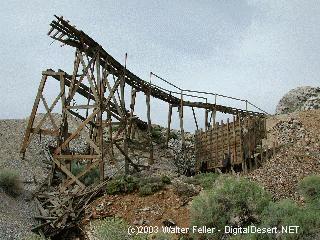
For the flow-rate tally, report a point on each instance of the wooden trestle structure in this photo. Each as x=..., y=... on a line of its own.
x=100, y=81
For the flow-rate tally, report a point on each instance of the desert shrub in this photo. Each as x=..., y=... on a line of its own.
x=145, y=186
x=173, y=135
x=10, y=182
x=150, y=185
x=165, y=179
x=287, y=213
x=90, y=177
x=206, y=180
x=122, y=184
x=232, y=201
x=309, y=187
x=114, y=229
x=33, y=236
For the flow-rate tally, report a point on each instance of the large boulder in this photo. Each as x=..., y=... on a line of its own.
x=300, y=98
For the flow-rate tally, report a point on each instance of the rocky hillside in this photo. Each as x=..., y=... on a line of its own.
x=299, y=99
x=298, y=155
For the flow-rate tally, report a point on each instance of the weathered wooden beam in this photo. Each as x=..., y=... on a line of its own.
x=181, y=122
x=27, y=134
x=195, y=118
x=151, y=160
x=169, y=124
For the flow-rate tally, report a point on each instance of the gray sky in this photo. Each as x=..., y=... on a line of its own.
x=251, y=49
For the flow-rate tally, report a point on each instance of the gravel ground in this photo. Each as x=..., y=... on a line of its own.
x=16, y=214
x=298, y=156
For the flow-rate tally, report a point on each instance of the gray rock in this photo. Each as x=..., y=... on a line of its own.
x=300, y=98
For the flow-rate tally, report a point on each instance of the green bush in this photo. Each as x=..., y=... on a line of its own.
x=150, y=185
x=165, y=179
x=309, y=187
x=33, y=236
x=232, y=201
x=10, y=182
x=145, y=186
x=287, y=213
x=114, y=229
x=123, y=184
x=90, y=177
x=206, y=180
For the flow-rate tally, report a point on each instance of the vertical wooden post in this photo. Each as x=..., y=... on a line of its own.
x=243, y=162
x=210, y=159
x=235, y=155
x=151, y=160
x=169, y=124
x=217, y=143
x=181, y=121
x=110, y=136
x=100, y=139
x=206, y=124
x=261, y=154
x=132, y=105
x=64, y=122
x=222, y=140
x=250, y=146
x=213, y=117
x=228, y=136
x=196, y=150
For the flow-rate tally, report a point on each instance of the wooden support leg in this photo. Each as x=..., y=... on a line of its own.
x=195, y=119
x=151, y=160
x=32, y=116
x=132, y=105
x=169, y=124
x=181, y=122
x=100, y=137
x=206, y=124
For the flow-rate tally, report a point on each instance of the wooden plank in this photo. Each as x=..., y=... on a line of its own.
x=76, y=156
x=54, y=133
x=81, y=106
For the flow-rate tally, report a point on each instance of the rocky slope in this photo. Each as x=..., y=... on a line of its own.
x=16, y=214
x=299, y=99
x=298, y=155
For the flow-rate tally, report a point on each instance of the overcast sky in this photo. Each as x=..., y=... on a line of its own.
x=251, y=49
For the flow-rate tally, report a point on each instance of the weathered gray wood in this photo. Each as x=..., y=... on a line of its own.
x=151, y=160
x=32, y=115
x=195, y=118
x=181, y=122
x=169, y=124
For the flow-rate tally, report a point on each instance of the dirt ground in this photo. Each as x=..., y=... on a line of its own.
x=150, y=210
